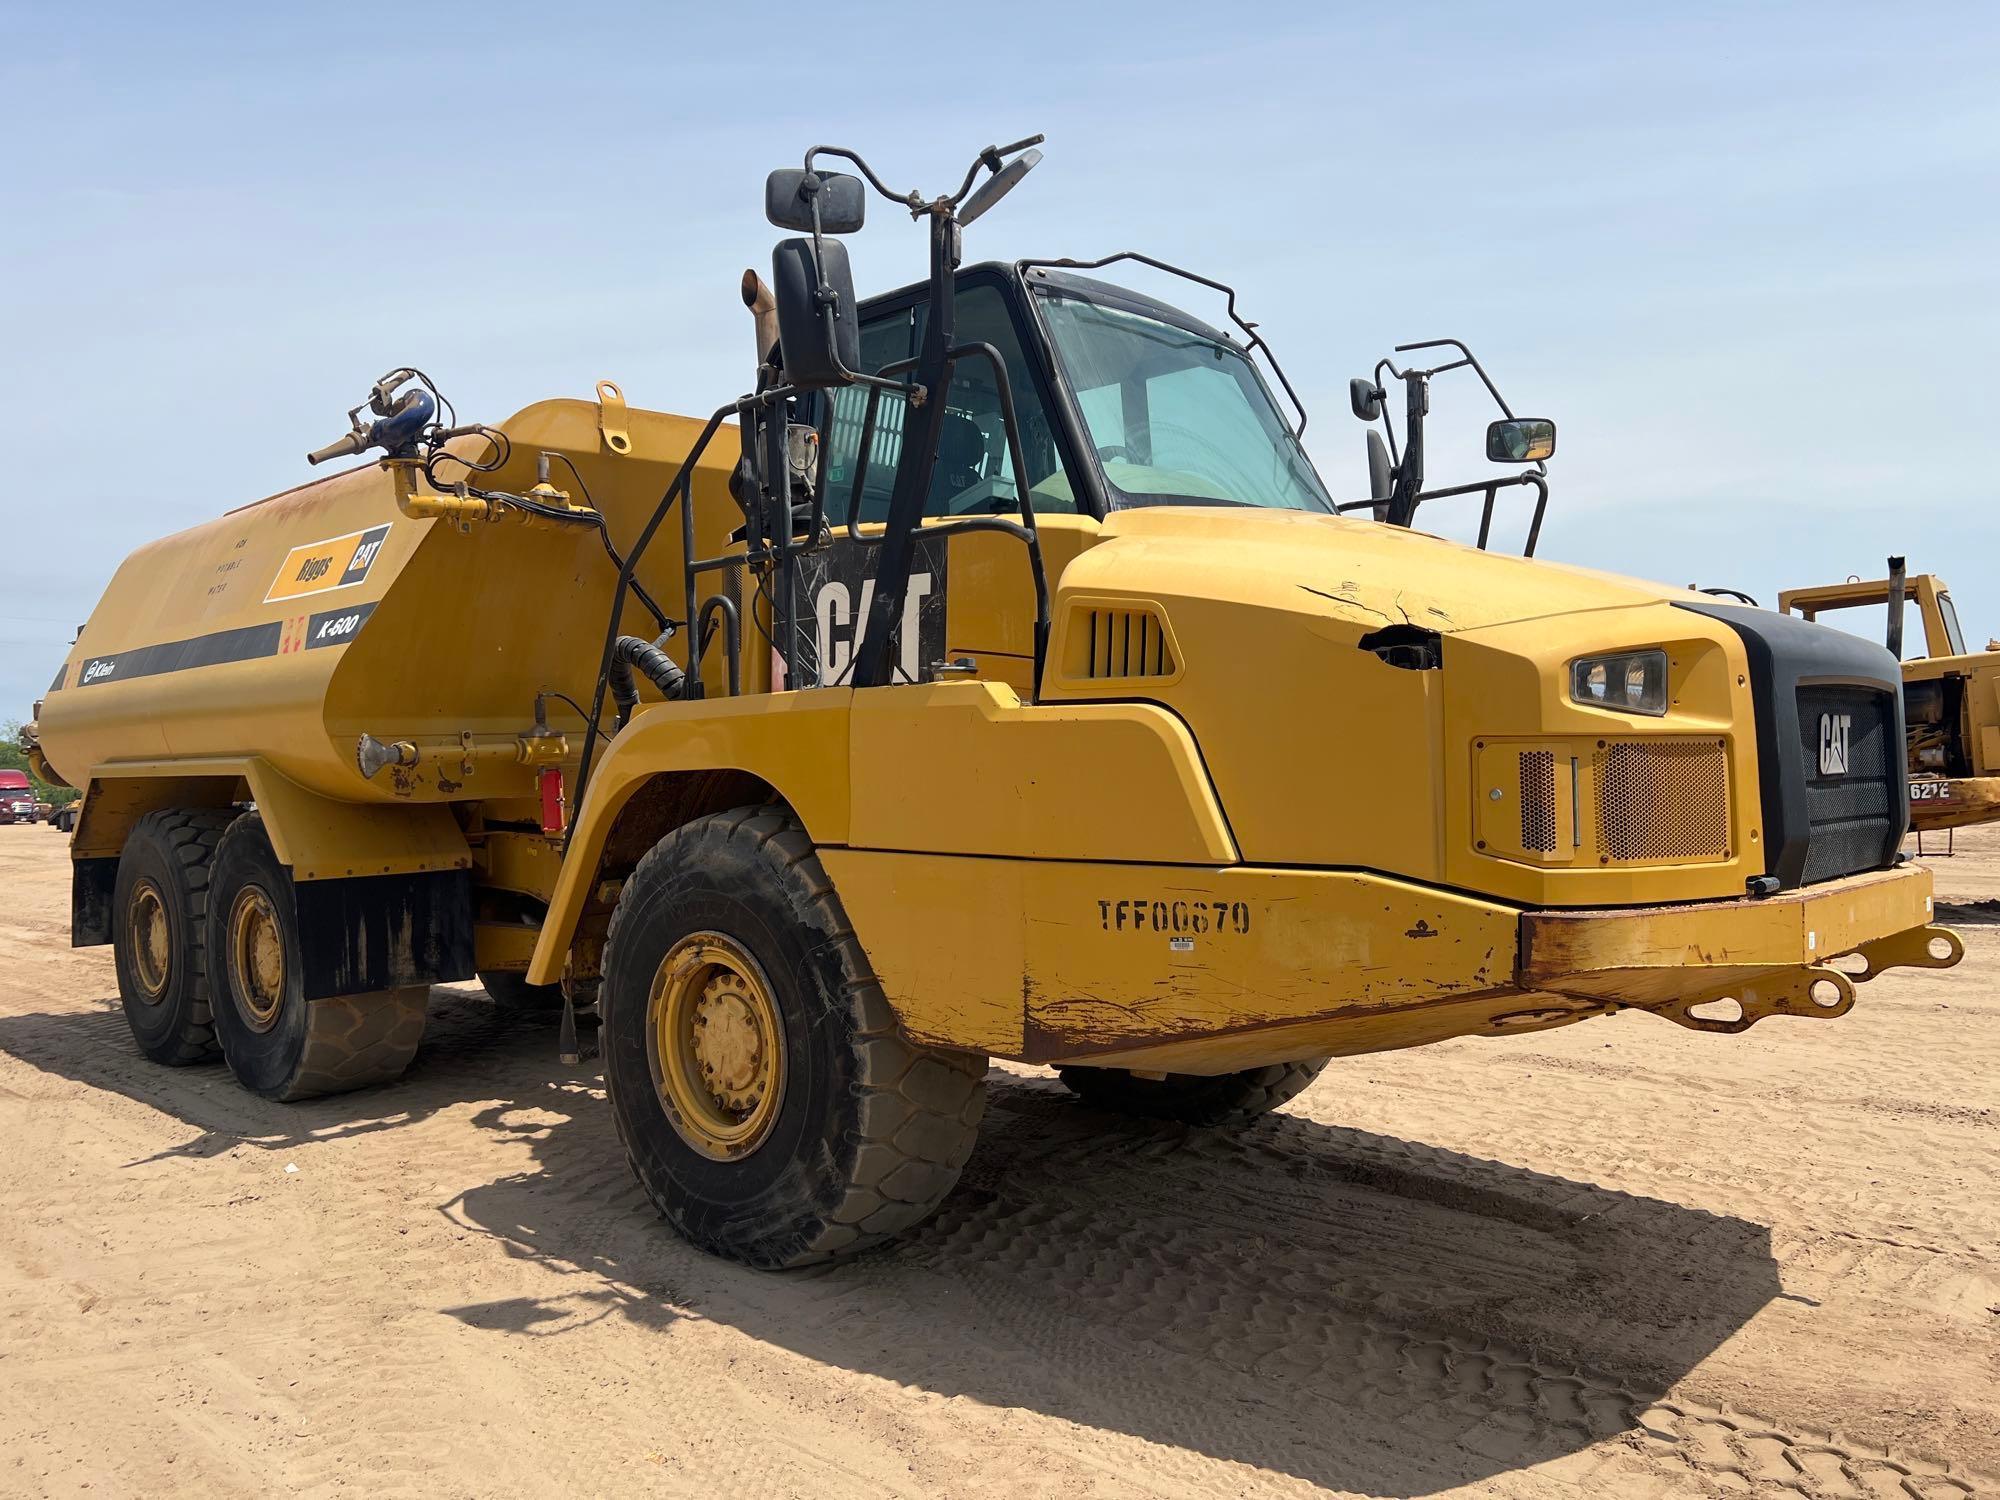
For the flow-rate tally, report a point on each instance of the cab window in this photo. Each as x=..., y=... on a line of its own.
x=1954, y=635
x=975, y=472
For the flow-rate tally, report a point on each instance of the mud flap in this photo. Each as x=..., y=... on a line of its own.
x=384, y=932
x=91, y=881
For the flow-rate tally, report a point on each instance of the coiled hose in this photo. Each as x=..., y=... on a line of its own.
x=660, y=670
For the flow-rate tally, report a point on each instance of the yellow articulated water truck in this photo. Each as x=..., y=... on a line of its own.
x=1951, y=695
x=996, y=679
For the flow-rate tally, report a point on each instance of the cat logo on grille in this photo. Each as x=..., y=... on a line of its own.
x=1833, y=729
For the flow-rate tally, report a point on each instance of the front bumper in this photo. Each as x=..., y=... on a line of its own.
x=1186, y=969
x=1771, y=956
x=1953, y=802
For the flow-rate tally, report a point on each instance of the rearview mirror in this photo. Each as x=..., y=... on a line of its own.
x=1365, y=396
x=1520, y=440
x=816, y=355
x=998, y=186
x=788, y=200
x=1381, y=476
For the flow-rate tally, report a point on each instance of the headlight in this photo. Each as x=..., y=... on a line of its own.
x=1632, y=682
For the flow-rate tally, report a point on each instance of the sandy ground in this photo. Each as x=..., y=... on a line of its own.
x=1619, y=1259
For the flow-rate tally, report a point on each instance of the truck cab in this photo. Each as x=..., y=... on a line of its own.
x=17, y=798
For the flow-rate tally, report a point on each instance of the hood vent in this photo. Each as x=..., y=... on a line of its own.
x=1106, y=642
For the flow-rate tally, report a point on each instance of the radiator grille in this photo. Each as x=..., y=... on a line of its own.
x=1538, y=801
x=1126, y=643
x=1663, y=800
x=1850, y=812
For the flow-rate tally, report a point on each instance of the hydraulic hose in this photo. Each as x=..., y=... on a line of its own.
x=660, y=669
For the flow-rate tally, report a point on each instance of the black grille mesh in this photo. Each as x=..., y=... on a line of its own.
x=1538, y=801
x=1849, y=813
x=1661, y=800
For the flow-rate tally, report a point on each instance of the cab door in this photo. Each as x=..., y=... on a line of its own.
x=970, y=596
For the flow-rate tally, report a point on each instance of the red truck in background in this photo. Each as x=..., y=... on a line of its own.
x=17, y=797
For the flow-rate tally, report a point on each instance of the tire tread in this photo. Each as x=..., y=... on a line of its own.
x=189, y=835
x=919, y=1107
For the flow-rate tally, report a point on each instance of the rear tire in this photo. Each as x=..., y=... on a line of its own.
x=763, y=1093
x=1225, y=1099
x=159, y=932
x=511, y=991
x=278, y=1043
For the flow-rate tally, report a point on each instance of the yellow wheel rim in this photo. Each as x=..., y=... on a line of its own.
x=152, y=940
x=256, y=958
x=718, y=1053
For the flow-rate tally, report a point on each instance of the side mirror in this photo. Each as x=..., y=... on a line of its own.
x=998, y=186
x=1365, y=396
x=818, y=352
x=789, y=194
x=1520, y=440
x=1381, y=478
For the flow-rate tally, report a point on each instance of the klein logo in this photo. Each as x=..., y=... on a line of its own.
x=1833, y=732
x=99, y=669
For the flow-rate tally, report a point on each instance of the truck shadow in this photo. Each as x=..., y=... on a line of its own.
x=1368, y=1314
x=471, y=1049
x=1360, y=1312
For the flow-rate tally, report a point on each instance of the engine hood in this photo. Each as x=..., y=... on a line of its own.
x=1359, y=570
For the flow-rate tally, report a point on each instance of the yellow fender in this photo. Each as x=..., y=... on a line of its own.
x=794, y=742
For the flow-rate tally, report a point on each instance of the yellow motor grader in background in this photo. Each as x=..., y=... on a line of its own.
x=997, y=678
x=1951, y=695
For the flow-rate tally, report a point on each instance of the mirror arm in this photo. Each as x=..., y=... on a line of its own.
x=1466, y=358
x=1541, y=467
x=912, y=200
x=830, y=315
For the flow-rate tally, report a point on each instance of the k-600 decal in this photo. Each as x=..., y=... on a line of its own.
x=331, y=627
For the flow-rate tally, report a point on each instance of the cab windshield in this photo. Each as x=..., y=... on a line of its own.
x=1175, y=416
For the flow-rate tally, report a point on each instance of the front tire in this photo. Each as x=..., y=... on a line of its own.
x=160, y=929
x=1225, y=1099
x=764, y=1095
x=278, y=1043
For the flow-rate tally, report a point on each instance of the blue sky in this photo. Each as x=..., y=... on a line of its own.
x=1748, y=257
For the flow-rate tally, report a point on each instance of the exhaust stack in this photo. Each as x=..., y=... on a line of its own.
x=1898, y=575
x=764, y=310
